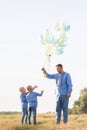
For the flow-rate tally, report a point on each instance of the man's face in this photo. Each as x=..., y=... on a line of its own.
x=59, y=69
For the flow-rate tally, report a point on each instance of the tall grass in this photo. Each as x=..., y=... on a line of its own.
x=44, y=122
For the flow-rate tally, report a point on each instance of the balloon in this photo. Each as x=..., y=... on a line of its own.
x=59, y=26
x=60, y=52
x=67, y=27
x=55, y=41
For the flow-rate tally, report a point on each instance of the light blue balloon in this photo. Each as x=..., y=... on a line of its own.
x=67, y=27
x=42, y=38
x=63, y=45
x=60, y=50
x=54, y=41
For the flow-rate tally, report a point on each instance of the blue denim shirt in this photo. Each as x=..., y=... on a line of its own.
x=32, y=98
x=23, y=99
x=63, y=82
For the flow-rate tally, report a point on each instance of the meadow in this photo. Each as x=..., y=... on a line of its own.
x=44, y=122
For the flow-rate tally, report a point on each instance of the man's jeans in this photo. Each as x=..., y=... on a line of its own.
x=24, y=115
x=62, y=104
x=32, y=110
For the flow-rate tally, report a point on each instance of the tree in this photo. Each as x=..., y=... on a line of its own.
x=76, y=107
x=80, y=106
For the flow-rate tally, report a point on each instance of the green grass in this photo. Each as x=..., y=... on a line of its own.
x=44, y=122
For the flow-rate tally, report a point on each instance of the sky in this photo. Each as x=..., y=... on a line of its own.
x=22, y=22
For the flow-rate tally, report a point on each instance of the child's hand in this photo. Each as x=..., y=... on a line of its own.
x=35, y=86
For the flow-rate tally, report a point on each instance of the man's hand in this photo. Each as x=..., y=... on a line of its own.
x=43, y=69
x=69, y=95
x=42, y=91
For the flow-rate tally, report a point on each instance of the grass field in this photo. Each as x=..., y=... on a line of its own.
x=44, y=122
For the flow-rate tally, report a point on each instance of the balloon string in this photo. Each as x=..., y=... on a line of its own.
x=47, y=64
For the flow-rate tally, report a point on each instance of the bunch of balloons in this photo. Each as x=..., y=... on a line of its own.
x=56, y=40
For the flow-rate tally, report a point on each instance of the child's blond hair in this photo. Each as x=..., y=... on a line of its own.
x=22, y=89
x=29, y=88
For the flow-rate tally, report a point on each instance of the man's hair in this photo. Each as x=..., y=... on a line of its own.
x=59, y=65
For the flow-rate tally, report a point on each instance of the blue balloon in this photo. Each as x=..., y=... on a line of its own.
x=54, y=41
x=42, y=38
x=63, y=45
x=67, y=27
x=60, y=50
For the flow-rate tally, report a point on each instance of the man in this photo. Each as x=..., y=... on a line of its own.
x=63, y=91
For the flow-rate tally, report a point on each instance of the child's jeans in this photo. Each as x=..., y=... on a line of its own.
x=30, y=111
x=24, y=115
x=62, y=104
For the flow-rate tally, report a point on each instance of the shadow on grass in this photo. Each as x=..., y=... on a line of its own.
x=26, y=127
x=29, y=127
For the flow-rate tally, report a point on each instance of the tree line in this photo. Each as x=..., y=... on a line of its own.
x=80, y=105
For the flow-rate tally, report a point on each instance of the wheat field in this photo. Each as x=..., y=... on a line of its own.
x=44, y=122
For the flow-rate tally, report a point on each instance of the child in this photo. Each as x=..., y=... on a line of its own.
x=24, y=103
x=32, y=101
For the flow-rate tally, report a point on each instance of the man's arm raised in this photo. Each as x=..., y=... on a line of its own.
x=50, y=76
